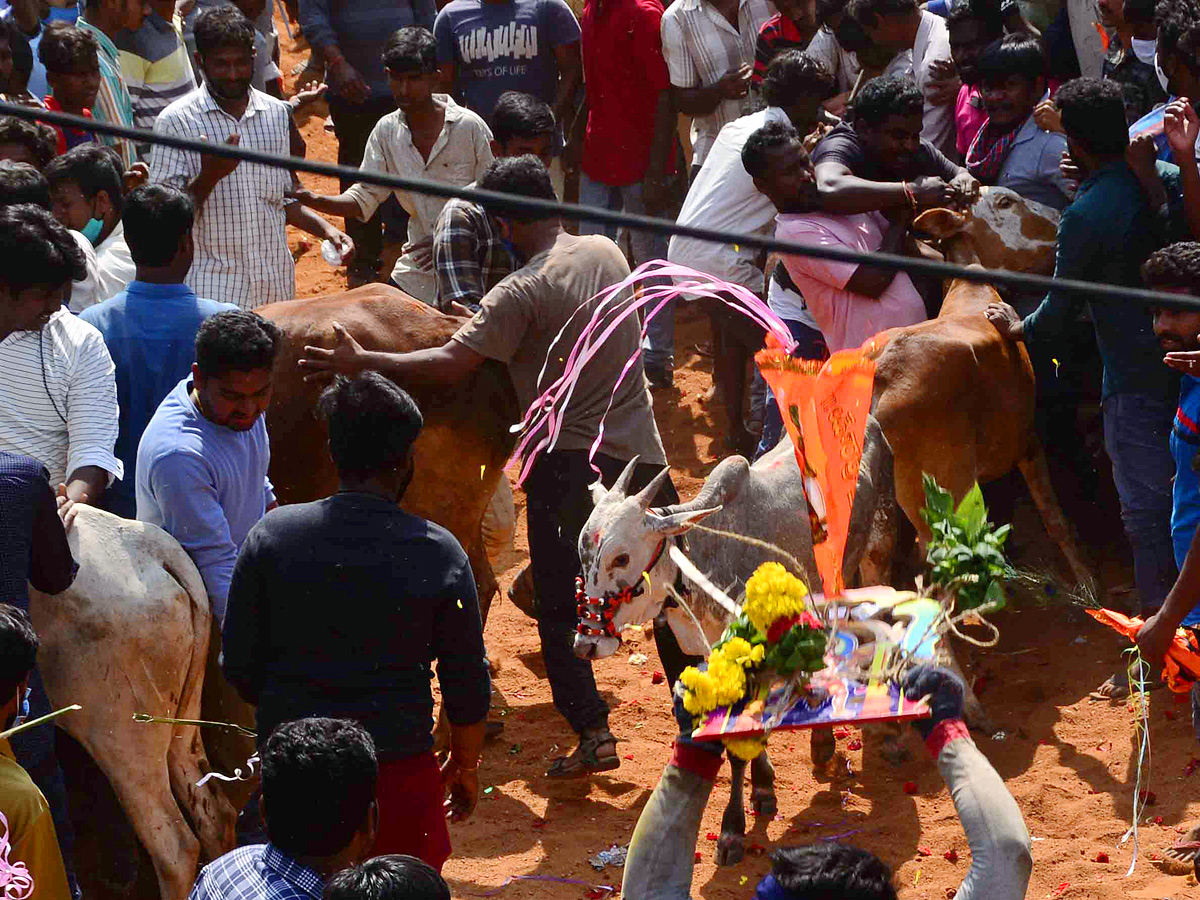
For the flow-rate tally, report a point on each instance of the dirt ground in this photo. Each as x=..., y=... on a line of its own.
x=1067, y=759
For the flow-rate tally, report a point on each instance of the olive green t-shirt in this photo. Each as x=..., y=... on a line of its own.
x=532, y=320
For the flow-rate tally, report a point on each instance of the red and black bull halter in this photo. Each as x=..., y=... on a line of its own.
x=601, y=610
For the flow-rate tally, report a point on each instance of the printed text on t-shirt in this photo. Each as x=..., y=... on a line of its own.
x=511, y=40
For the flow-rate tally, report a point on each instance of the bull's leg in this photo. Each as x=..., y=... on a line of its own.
x=731, y=846
x=821, y=745
x=891, y=742
x=1041, y=489
x=973, y=712
x=762, y=786
x=212, y=816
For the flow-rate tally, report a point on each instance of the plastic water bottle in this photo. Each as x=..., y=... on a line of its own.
x=330, y=253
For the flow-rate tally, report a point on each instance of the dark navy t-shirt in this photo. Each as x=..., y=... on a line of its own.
x=498, y=47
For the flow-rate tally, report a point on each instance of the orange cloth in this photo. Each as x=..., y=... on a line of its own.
x=1182, y=665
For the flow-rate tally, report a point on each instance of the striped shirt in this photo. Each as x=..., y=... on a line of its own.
x=257, y=872
x=700, y=46
x=242, y=254
x=112, y=100
x=58, y=397
x=156, y=69
x=779, y=33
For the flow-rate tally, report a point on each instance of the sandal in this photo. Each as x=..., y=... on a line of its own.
x=586, y=759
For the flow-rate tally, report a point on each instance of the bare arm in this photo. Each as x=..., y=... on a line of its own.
x=448, y=363
x=342, y=204
x=570, y=73
x=700, y=101
x=1156, y=635
x=308, y=221
x=872, y=281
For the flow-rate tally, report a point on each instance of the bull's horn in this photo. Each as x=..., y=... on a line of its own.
x=712, y=494
x=679, y=522
x=647, y=494
x=620, y=488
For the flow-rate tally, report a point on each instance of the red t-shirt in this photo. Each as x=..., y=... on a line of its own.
x=624, y=70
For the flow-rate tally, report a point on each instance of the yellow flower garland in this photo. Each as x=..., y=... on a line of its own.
x=772, y=593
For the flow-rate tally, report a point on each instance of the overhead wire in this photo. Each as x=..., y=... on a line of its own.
x=1022, y=282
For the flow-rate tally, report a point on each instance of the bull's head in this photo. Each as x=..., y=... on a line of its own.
x=626, y=567
x=1005, y=231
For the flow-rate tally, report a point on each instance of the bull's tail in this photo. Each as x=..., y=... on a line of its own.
x=1041, y=489
x=180, y=567
x=875, y=495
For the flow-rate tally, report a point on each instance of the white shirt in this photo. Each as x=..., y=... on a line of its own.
x=937, y=121
x=700, y=46
x=83, y=292
x=115, y=267
x=723, y=196
x=843, y=64
x=242, y=254
x=58, y=397
x=459, y=157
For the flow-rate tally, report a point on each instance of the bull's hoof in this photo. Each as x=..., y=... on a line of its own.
x=523, y=595
x=764, y=802
x=823, y=745
x=731, y=849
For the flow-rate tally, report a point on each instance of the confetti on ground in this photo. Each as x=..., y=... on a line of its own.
x=855, y=744
x=613, y=856
x=924, y=851
x=910, y=787
x=951, y=855
x=657, y=678
x=637, y=659
x=1101, y=857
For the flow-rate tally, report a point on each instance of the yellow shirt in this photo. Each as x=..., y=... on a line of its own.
x=30, y=829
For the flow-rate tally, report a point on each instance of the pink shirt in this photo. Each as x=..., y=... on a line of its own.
x=969, y=116
x=846, y=320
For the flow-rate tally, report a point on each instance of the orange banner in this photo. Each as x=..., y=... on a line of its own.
x=824, y=408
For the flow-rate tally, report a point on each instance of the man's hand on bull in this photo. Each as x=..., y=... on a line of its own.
x=1006, y=320
x=68, y=508
x=964, y=189
x=930, y=191
x=346, y=358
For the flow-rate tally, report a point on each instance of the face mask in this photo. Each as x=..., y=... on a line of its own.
x=92, y=230
x=1145, y=50
x=24, y=710
x=1162, y=78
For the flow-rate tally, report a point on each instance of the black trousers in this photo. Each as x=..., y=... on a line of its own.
x=353, y=123
x=558, y=505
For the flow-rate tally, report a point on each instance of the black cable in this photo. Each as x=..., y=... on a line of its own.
x=45, y=381
x=1020, y=281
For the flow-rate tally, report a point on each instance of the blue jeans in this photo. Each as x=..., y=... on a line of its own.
x=811, y=346
x=659, y=346
x=1137, y=429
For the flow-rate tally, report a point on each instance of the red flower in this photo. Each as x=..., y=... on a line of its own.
x=1101, y=857
x=951, y=855
x=1149, y=797
x=924, y=851
x=910, y=787
x=855, y=744
x=780, y=627
x=697, y=856
x=657, y=678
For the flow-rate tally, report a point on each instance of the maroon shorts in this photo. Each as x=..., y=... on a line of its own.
x=411, y=818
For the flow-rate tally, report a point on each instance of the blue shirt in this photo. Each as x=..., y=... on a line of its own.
x=150, y=332
x=203, y=484
x=1185, y=500
x=257, y=872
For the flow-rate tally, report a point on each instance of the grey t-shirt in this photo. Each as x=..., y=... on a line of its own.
x=519, y=324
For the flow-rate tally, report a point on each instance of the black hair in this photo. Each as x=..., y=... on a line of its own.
x=985, y=12
x=1178, y=25
x=518, y=115
x=522, y=175
x=22, y=183
x=1093, y=115
x=394, y=877
x=895, y=95
x=18, y=649
x=35, y=250
x=37, y=138
x=156, y=218
x=65, y=49
x=411, y=50
x=1174, y=266
x=94, y=168
x=318, y=784
x=794, y=74
x=372, y=424
x=236, y=341
x=759, y=145
x=1138, y=12
x=1013, y=54
x=830, y=869
x=22, y=55
x=865, y=12
x=221, y=26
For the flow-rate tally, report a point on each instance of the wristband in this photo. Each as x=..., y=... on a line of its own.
x=702, y=763
x=462, y=768
x=943, y=733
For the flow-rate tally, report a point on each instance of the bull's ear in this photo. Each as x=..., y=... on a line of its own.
x=941, y=223
x=599, y=492
x=677, y=523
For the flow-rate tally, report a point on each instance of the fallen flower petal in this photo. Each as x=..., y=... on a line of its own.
x=951, y=855
x=910, y=787
x=1101, y=857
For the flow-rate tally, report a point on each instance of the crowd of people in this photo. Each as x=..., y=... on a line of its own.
x=135, y=373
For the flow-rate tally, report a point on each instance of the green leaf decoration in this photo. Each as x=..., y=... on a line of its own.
x=966, y=552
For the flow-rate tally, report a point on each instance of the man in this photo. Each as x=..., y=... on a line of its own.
x=150, y=327
x=724, y=196
x=469, y=256
x=529, y=322
x=429, y=136
x=1130, y=59
x=350, y=39
x=242, y=254
x=1010, y=150
x=709, y=48
x=408, y=599
x=30, y=836
x=155, y=65
x=881, y=162
x=86, y=187
x=838, y=44
x=902, y=25
x=72, y=60
x=105, y=19
x=1104, y=236
x=660, y=861
x=203, y=458
x=792, y=28
x=318, y=801
x=972, y=26
x=388, y=878
x=849, y=302
x=26, y=142
x=487, y=47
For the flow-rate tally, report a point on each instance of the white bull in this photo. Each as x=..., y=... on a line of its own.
x=131, y=635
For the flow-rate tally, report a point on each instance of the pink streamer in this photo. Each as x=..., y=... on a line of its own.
x=542, y=423
x=15, y=880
